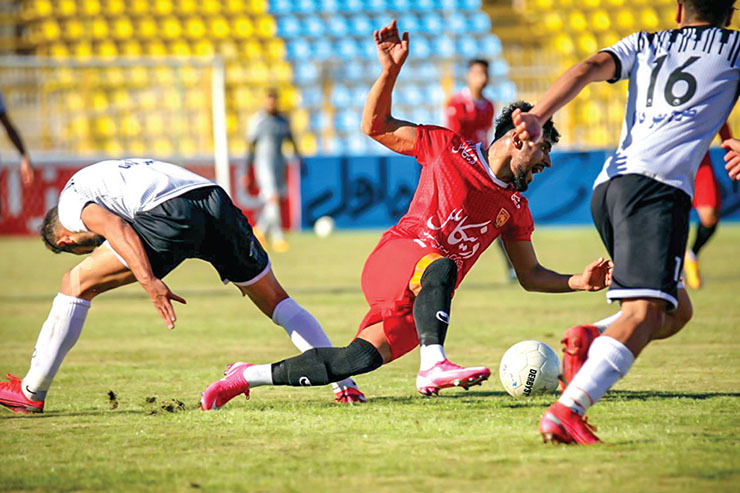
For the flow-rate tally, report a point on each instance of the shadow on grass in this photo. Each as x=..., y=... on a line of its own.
x=655, y=394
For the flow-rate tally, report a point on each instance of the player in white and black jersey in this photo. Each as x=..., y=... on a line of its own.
x=150, y=216
x=683, y=83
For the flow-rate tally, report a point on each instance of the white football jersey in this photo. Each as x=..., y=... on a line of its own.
x=683, y=83
x=124, y=187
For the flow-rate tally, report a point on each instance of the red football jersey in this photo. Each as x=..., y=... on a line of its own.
x=460, y=206
x=468, y=117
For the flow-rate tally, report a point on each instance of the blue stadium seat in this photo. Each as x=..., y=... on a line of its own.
x=424, y=5
x=322, y=49
x=456, y=23
x=361, y=24
x=313, y=26
x=359, y=94
x=490, y=46
x=467, y=47
x=280, y=6
x=298, y=49
x=354, y=6
x=432, y=23
x=305, y=73
x=505, y=91
x=306, y=6
x=444, y=46
x=410, y=23
x=479, y=22
x=312, y=96
x=357, y=144
x=420, y=48
x=348, y=49
x=377, y=5
x=288, y=26
x=338, y=26
x=499, y=68
x=434, y=94
x=340, y=96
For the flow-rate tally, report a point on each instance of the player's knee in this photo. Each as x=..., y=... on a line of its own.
x=684, y=314
x=645, y=313
x=75, y=284
x=440, y=273
x=357, y=358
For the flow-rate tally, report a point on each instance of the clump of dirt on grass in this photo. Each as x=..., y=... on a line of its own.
x=113, y=399
x=165, y=406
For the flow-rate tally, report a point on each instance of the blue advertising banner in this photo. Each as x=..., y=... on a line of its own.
x=375, y=191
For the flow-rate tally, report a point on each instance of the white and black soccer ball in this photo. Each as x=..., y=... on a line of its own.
x=529, y=368
x=324, y=226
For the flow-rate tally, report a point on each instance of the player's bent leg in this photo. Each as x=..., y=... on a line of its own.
x=317, y=366
x=677, y=319
x=99, y=272
x=304, y=330
x=708, y=220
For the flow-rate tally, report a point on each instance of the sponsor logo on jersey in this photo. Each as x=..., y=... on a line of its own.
x=502, y=217
x=465, y=152
x=517, y=200
x=464, y=236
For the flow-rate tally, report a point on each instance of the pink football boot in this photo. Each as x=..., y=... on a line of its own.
x=445, y=374
x=222, y=391
x=12, y=397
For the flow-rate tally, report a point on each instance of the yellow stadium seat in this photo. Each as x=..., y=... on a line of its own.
x=564, y=45
x=104, y=126
x=146, y=28
x=41, y=8
x=164, y=76
x=202, y=124
x=75, y=101
x=98, y=28
x=600, y=20
x=58, y=50
x=553, y=21
x=242, y=97
x=625, y=20
x=73, y=30
x=154, y=124
x=91, y=8
x=210, y=7
x=235, y=6
x=289, y=97
x=122, y=28
x=609, y=39
x=82, y=49
x=80, y=126
x=66, y=8
x=172, y=100
x=147, y=100
x=121, y=99
x=237, y=146
x=195, y=100
x=163, y=7
x=282, y=71
x=598, y=136
x=50, y=30
x=189, y=75
x=137, y=76
x=615, y=3
x=227, y=48
x=258, y=72
x=131, y=47
x=106, y=49
x=186, y=147
x=180, y=48
x=170, y=28
x=232, y=124
x=258, y=6
x=251, y=49
x=219, y=28
x=308, y=144
x=577, y=21
x=275, y=49
x=299, y=120
x=204, y=48
x=186, y=7
x=592, y=4
x=266, y=27
x=138, y=7
x=543, y=4
x=668, y=16
x=114, y=76
x=114, y=8
x=195, y=28
x=649, y=19
x=156, y=48
x=242, y=27
x=136, y=147
x=162, y=147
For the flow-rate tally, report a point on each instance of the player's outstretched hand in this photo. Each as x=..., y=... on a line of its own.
x=732, y=158
x=392, y=49
x=528, y=126
x=26, y=170
x=161, y=297
x=596, y=276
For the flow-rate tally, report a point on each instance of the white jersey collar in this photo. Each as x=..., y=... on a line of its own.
x=484, y=162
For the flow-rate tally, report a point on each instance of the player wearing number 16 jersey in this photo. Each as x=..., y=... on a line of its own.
x=683, y=83
x=467, y=196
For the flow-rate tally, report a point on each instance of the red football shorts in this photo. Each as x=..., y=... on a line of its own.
x=706, y=187
x=390, y=278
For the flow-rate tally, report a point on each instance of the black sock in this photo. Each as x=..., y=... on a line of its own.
x=432, y=304
x=703, y=234
x=322, y=366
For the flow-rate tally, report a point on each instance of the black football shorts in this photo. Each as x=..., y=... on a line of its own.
x=202, y=223
x=644, y=225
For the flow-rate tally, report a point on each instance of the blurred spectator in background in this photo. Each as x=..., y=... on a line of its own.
x=469, y=114
x=15, y=138
x=267, y=131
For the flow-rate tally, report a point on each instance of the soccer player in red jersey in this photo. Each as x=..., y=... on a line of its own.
x=467, y=196
x=470, y=115
x=708, y=204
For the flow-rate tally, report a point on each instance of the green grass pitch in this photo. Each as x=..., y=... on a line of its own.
x=671, y=425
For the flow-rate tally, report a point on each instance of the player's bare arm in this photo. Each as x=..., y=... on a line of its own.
x=15, y=138
x=534, y=277
x=599, y=67
x=127, y=243
x=377, y=122
x=732, y=158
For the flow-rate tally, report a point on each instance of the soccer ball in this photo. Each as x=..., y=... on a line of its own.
x=324, y=226
x=529, y=368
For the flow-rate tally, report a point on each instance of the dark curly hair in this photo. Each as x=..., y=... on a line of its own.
x=714, y=12
x=504, y=122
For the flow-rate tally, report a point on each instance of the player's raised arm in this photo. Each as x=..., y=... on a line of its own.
x=127, y=244
x=377, y=122
x=599, y=67
x=534, y=277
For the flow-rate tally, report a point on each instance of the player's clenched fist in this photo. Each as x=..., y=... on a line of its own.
x=392, y=49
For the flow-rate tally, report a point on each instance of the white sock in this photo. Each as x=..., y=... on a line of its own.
x=304, y=330
x=608, y=361
x=258, y=375
x=604, y=324
x=270, y=220
x=58, y=334
x=431, y=355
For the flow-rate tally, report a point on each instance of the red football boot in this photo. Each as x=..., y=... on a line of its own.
x=560, y=424
x=12, y=397
x=576, y=342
